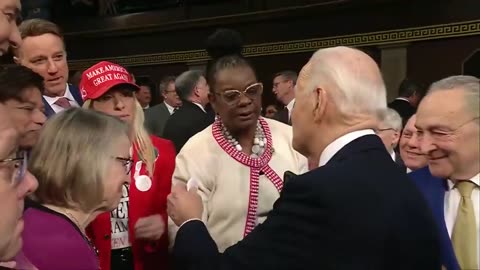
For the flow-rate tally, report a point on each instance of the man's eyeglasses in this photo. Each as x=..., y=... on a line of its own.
x=232, y=97
x=379, y=130
x=126, y=162
x=20, y=163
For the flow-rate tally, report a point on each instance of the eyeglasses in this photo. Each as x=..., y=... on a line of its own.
x=20, y=163
x=382, y=129
x=232, y=97
x=126, y=162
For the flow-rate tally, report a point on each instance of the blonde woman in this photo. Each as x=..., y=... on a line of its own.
x=132, y=236
x=81, y=162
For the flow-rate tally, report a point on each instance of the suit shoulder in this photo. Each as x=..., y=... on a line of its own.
x=73, y=87
x=153, y=108
x=420, y=173
x=200, y=142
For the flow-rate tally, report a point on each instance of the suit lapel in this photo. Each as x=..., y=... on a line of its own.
x=48, y=109
x=434, y=190
x=164, y=110
x=285, y=116
x=438, y=201
x=76, y=94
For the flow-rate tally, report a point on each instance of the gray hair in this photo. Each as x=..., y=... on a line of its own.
x=186, y=82
x=360, y=88
x=471, y=86
x=165, y=82
x=288, y=75
x=391, y=119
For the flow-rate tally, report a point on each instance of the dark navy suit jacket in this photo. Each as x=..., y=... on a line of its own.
x=359, y=211
x=76, y=95
x=434, y=189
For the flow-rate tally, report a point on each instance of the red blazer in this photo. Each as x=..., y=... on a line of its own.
x=146, y=255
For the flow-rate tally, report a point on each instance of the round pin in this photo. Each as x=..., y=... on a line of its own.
x=143, y=183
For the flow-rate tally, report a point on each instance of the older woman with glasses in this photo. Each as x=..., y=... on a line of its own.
x=82, y=162
x=15, y=184
x=133, y=235
x=239, y=161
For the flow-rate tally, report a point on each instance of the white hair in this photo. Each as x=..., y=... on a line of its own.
x=392, y=119
x=359, y=84
x=470, y=85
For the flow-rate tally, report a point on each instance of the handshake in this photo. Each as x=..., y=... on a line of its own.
x=184, y=203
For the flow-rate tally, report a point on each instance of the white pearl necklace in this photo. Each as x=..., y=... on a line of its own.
x=259, y=141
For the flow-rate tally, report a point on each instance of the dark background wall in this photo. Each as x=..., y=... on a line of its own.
x=153, y=27
x=430, y=61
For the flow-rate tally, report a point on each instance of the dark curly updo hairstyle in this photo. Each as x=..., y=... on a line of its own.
x=224, y=46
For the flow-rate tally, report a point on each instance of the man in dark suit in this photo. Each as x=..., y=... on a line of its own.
x=156, y=117
x=43, y=51
x=409, y=95
x=449, y=135
x=191, y=118
x=284, y=89
x=356, y=211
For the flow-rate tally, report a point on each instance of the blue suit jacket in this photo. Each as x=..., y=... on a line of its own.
x=347, y=214
x=76, y=95
x=434, y=189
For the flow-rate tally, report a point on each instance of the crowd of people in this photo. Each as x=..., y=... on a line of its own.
x=92, y=177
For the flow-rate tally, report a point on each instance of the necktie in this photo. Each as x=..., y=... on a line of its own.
x=63, y=102
x=464, y=235
x=284, y=115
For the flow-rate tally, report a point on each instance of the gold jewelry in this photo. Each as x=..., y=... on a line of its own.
x=82, y=230
x=74, y=219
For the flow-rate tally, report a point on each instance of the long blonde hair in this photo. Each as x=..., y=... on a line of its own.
x=141, y=138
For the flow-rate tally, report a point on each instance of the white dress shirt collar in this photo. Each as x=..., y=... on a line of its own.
x=393, y=155
x=200, y=106
x=475, y=179
x=51, y=100
x=169, y=108
x=340, y=142
x=290, y=108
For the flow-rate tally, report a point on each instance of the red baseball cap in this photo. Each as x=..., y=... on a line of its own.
x=99, y=78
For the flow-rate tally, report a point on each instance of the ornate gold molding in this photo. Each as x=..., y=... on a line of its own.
x=468, y=28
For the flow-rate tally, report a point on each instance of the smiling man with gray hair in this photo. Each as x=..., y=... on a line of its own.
x=448, y=128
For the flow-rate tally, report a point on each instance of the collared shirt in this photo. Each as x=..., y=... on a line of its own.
x=393, y=155
x=452, y=200
x=340, y=142
x=51, y=100
x=200, y=106
x=170, y=109
x=290, y=108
